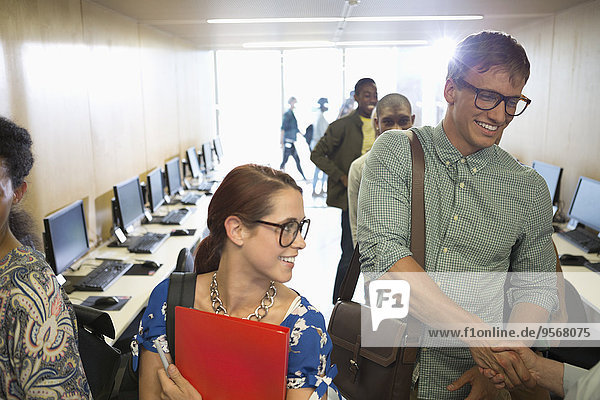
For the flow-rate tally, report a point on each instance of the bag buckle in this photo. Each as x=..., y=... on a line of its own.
x=353, y=369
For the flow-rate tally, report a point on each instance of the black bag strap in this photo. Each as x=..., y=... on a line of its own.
x=182, y=290
x=417, y=212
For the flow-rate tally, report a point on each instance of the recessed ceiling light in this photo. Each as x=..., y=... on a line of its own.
x=404, y=18
x=383, y=43
x=268, y=45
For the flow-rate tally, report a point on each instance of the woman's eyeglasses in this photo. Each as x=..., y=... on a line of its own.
x=289, y=231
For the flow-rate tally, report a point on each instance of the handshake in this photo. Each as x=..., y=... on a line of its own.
x=520, y=370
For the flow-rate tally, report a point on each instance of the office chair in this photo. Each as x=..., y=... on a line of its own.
x=101, y=361
x=185, y=262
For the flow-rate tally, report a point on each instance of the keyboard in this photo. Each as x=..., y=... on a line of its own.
x=175, y=217
x=191, y=198
x=148, y=243
x=583, y=239
x=103, y=276
x=205, y=186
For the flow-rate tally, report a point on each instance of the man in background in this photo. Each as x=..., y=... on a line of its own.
x=289, y=129
x=393, y=111
x=345, y=140
x=319, y=129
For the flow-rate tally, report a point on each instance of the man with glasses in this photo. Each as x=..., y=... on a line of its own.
x=484, y=212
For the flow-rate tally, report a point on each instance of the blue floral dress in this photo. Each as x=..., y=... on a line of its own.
x=309, y=363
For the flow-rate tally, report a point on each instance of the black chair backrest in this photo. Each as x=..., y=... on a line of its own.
x=100, y=360
x=185, y=262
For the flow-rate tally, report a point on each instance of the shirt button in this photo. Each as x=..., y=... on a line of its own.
x=439, y=283
x=445, y=249
x=456, y=217
x=462, y=185
x=447, y=162
x=474, y=170
x=462, y=160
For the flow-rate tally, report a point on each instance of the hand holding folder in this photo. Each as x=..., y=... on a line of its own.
x=227, y=358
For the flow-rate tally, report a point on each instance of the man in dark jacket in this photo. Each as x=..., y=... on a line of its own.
x=345, y=140
x=289, y=129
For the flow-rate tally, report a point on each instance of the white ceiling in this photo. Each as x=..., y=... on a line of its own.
x=187, y=18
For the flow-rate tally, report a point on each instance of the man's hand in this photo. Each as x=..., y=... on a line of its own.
x=481, y=387
x=506, y=363
x=521, y=356
x=177, y=387
x=344, y=179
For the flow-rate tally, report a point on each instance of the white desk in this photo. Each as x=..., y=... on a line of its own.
x=586, y=282
x=139, y=287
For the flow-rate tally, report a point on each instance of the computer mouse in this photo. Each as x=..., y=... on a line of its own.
x=150, y=264
x=571, y=259
x=180, y=232
x=106, y=301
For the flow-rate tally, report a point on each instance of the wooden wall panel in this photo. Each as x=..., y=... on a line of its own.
x=116, y=104
x=49, y=98
x=565, y=133
x=99, y=95
x=159, y=88
x=197, y=118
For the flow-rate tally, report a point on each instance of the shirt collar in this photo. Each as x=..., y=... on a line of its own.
x=449, y=155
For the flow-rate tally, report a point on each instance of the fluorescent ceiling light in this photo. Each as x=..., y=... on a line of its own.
x=267, y=45
x=383, y=43
x=399, y=18
x=277, y=45
x=403, y=18
x=271, y=20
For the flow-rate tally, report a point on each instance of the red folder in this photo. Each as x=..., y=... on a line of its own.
x=228, y=358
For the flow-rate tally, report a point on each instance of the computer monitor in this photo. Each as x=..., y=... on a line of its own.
x=65, y=236
x=585, y=207
x=192, y=158
x=551, y=174
x=156, y=192
x=173, y=176
x=130, y=206
x=209, y=164
x=218, y=148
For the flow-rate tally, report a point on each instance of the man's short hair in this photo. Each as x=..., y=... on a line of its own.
x=484, y=50
x=393, y=100
x=361, y=82
x=292, y=99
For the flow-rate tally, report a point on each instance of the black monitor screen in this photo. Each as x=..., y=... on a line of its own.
x=585, y=206
x=66, y=236
x=551, y=174
x=192, y=158
x=173, y=176
x=218, y=148
x=130, y=205
x=156, y=193
x=207, y=155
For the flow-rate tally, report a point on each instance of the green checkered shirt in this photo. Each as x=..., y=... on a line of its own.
x=484, y=212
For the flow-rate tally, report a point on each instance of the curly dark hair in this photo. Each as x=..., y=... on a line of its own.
x=17, y=158
x=15, y=151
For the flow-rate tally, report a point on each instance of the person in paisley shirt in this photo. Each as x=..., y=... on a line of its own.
x=39, y=358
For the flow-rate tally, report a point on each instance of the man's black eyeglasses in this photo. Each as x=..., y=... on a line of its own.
x=289, y=231
x=488, y=99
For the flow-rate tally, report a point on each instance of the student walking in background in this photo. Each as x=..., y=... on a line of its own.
x=289, y=130
x=319, y=128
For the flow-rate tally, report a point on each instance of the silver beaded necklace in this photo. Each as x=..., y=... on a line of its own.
x=261, y=311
